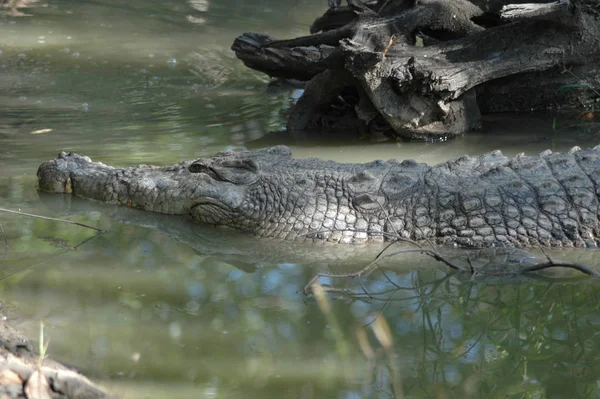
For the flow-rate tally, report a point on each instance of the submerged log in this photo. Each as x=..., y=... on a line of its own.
x=421, y=65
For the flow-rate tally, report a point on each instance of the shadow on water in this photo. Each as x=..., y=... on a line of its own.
x=227, y=245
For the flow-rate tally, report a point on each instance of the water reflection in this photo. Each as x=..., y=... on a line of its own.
x=200, y=5
x=142, y=304
x=90, y=69
x=156, y=308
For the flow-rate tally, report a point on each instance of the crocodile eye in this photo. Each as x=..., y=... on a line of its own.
x=236, y=171
x=198, y=167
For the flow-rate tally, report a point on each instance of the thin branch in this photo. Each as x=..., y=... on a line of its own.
x=474, y=344
x=381, y=269
x=56, y=255
x=431, y=251
x=52, y=219
x=553, y=263
x=385, y=249
x=569, y=265
x=382, y=309
x=362, y=286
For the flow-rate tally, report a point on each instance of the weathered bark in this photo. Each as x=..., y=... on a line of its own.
x=476, y=47
x=417, y=88
x=304, y=57
x=544, y=11
x=300, y=63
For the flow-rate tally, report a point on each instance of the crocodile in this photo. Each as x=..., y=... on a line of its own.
x=474, y=201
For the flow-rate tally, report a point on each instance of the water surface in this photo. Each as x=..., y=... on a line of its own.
x=154, y=307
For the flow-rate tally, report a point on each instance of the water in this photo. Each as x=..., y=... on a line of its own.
x=156, y=308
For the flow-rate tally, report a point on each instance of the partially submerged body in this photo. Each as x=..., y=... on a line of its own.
x=490, y=200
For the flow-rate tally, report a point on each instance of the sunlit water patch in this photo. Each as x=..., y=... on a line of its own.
x=154, y=307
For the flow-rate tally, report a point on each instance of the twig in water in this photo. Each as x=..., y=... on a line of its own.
x=31, y=215
x=471, y=266
x=380, y=312
x=341, y=275
x=569, y=265
x=389, y=279
x=431, y=251
x=576, y=266
x=52, y=257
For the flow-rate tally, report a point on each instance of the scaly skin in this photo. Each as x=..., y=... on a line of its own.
x=490, y=200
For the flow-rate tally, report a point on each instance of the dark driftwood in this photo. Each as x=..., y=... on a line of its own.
x=300, y=63
x=471, y=48
x=531, y=10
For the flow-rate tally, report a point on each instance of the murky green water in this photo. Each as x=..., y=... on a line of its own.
x=154, y=307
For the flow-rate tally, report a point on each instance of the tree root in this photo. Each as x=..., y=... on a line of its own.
x=432, y=92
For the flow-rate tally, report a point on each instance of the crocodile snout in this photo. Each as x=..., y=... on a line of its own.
x=52, y=179
x=55, y=176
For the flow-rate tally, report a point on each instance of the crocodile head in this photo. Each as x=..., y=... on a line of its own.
x=229, y=185
x=226, y=189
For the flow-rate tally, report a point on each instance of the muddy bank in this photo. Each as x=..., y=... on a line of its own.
x=22, y=375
